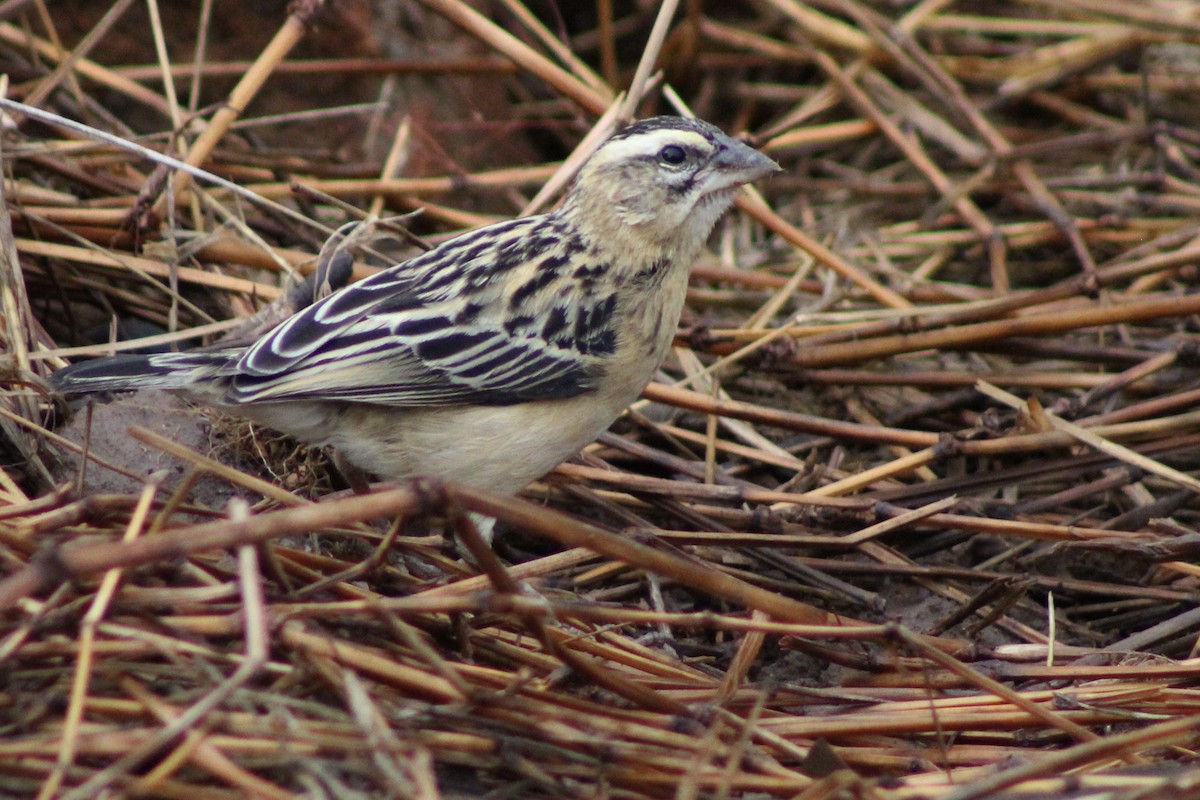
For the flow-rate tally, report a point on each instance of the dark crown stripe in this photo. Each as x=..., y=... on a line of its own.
x=709, y=132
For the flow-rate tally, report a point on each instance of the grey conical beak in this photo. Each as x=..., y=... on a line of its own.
x=737, y=163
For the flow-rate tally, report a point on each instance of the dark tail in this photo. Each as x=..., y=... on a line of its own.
x=122, y=373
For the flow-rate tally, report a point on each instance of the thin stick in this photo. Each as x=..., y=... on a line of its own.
x=87, y=641
x=1092, y=440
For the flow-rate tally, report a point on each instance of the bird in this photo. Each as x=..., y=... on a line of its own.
x=493, y=357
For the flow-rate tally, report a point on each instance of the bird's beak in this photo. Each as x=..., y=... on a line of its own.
x=738, y=163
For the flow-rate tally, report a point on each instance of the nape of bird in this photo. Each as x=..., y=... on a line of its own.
x=495, y=356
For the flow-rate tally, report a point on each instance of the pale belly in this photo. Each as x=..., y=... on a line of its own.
x=499, y=448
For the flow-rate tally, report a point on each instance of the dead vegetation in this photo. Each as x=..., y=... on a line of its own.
x=910, y=513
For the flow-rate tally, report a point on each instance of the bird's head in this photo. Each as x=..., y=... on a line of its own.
x=664, y=182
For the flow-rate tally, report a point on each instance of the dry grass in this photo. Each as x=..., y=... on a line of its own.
x=911, y=512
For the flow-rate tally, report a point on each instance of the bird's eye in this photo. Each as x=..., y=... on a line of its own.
x=672, y=154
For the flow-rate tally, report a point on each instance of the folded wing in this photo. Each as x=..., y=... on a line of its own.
x=405, y=337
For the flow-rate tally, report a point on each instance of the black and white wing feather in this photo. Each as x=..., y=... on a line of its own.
x=483, y=319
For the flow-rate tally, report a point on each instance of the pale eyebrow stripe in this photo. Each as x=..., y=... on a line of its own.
x=647, y=143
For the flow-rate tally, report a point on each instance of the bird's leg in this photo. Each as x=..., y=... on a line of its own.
x=358, y=479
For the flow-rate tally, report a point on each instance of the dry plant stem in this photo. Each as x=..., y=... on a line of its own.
x=815, y=135
x=87, y=641
x=975, y=678
x=86, y=68
x=187, y=334
x=787, y=462
x=1022, y=168
x=824, y=28
x=296, y=635
x=233, y=219
x=739, y=38
x=397, y=155
x=265, y=488
x=166, y=161
x=406, y=768
x=1122, y=745
x=973, y=334
x=681, y=490
x=377, y=558
x=366, y=65
x=195, y=747
x=502, y=178
x=18, y=322
x=1167, y=629
x=226, y=248
x=790, y=420
x=550, y=639
x=650, y=54
x=905, y=455
x=887, y=95
x=195, y=72
x=1126, y=378
x=281, y=44
x=414, y=639
x=1173, y=670
x=524, y=56
x=921, y=160
x=465, y=599
x=164, y=61
x=146, y=266
x=698, y=401
x=569, y=532
x=560, y=49
x=51, y=82
x=1022, y=529
x=256, y=639
x=747, y=654
x=608, y=47
x=1032, y=379
x=1091, y=439
x=753, y=205
x=1016, y=301
x=899, y=521
x=51, y=29
x=108, y=217
x=74, y=562
x=703, y=381
x=900, y=466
